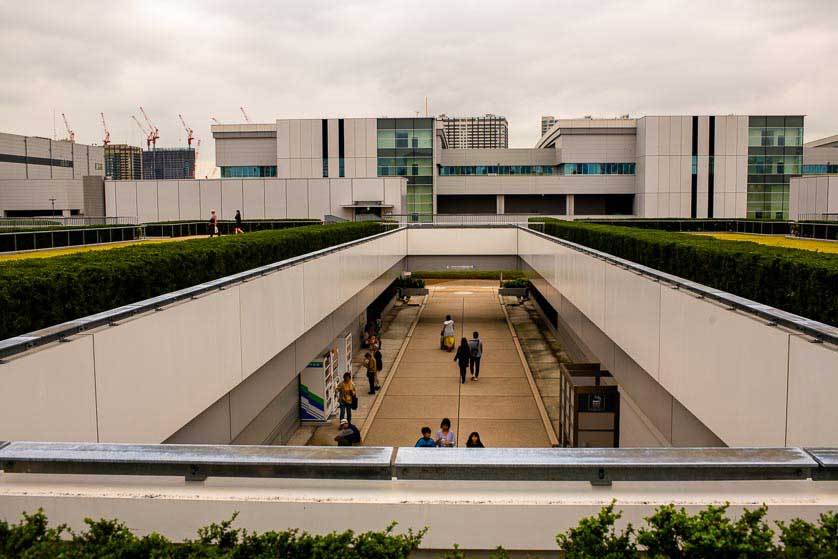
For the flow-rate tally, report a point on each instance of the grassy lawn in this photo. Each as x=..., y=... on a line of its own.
x=49, y=253
x=777, y=241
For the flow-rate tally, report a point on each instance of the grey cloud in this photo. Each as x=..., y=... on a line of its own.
x=520, y=59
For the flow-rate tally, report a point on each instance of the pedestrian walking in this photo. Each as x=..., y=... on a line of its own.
x=474, y=441
x=446, y=337
x=462, y=358
x=445, y=436
x=372, y=371
x=238, y=229
x=475, y=346
x=347, y=397
x=213, y=224
x=375, y=348
x=425, y=441
x=348, y=434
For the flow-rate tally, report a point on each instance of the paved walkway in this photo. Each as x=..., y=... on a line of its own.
x=426, y=385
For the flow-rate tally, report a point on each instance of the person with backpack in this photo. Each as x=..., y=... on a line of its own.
x=463, y=357
x=347, y=396
x=446, y=337
x=475, y=346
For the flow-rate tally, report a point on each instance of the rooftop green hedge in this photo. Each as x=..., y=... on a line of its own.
x=798, y=281
x=40, y=292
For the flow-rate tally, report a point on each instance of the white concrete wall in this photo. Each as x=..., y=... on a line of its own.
x=813, y=194
x=155, y=372
x=256, y=198
x=751, y=383
x=451, y=241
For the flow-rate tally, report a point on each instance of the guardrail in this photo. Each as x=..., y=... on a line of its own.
x=60, y=221
x=62, y=238
x=818, y=330
x=464, y=219
x=817, y=230
x=598, y=466
x=194, y=228
x=818, y=217
x=24, y=342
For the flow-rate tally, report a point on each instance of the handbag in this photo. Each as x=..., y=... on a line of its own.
x=354, y=402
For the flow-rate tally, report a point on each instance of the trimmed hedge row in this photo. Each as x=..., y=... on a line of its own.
x=669, y=533
x=40, y=292
x=225, y=227
x=758, y=226
x=798, y=281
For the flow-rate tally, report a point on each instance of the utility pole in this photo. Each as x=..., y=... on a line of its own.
x=52, y=200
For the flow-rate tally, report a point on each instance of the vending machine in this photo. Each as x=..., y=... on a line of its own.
x=317, y=388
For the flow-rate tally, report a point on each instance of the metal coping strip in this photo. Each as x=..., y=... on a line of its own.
x=558, y=464
x=812, y=328
x=25, y=342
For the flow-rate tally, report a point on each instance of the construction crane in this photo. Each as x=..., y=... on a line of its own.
x=189, y=131
x=246, y=118
x=215, y=120
x=107, y=139
x=145, y=131
x=71, y=135
x=154, y=132
x=195, y=164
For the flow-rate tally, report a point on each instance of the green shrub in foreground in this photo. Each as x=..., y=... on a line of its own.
x=798, y=281
x=670, y=533
x=40, y=292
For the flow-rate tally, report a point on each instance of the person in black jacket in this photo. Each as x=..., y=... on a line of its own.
x=462, y=358
x=238, y=229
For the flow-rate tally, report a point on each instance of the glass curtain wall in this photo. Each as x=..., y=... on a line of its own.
x=248, y=171
x=406, y=149
x=775, y=154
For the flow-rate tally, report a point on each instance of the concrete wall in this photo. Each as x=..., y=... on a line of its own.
x=664, y=166
x=35, y=194
x=299, y=148
x=144, y=378
x=813, y=194
x=523, y=184
x=746, y=380
x=256, y=198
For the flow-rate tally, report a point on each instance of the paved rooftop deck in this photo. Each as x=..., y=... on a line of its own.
x=426, y=386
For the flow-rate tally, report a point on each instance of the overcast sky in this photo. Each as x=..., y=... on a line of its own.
x=519, y=59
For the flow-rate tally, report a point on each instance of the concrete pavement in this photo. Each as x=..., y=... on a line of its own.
x=426, y=386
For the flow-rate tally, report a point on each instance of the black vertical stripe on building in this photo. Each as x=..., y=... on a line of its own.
x=325, y=136
x=710, y=167
x=340, y=145
x=694, y=176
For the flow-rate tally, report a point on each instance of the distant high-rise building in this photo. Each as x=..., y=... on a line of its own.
x=169, y=163
x=547, y=123
x=123, y=162
x=474, y=132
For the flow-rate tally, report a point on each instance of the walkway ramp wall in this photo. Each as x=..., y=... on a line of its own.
x=144, y=378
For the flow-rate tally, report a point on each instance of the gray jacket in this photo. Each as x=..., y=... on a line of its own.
x=478, y=343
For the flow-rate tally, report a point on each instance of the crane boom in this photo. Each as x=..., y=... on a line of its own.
x=145, y=131
x=107, y=139
x=71, y=135
x=189, y=131
x=154, y=132
x=246, y=118
x=215, y=120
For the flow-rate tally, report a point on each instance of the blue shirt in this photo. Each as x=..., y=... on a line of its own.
x=423, y=442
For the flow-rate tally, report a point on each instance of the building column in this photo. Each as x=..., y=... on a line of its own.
x=569, y=209
x=501, y=204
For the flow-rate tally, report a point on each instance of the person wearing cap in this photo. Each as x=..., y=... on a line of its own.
x=348, y=434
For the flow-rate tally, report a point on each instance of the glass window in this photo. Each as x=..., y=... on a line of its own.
x=386, y=139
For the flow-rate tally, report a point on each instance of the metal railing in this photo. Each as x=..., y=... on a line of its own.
x=817, y=230
x=24, y=342
x=64, y=238
x=817, y=330
x=818, y=217
x=599, y=466
x=60, y=221
x=463, y=219
x=195, y=228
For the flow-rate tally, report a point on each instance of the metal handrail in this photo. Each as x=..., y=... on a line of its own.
x=24, y=342
x=67, y=220
x=599, y=466
x=71, y=230
x=817, y=330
